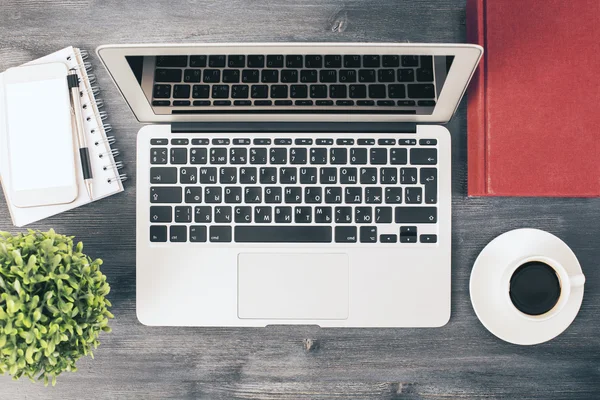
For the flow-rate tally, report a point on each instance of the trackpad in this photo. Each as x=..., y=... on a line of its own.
x=292, y=286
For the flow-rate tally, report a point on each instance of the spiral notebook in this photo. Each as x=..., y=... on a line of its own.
x=105, y=170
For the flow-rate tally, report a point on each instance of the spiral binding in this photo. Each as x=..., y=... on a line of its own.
x=117, y=165
x=114, y=152
x=120, y=177
x=109, y=139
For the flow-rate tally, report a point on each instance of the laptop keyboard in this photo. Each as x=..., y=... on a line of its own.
x=294, y=80
x=293, y=190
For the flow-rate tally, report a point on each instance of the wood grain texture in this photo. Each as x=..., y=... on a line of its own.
x=460, y=360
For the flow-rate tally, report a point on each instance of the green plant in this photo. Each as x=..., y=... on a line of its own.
x=52, y=304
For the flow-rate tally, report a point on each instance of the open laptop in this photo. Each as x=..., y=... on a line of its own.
x=293, y=183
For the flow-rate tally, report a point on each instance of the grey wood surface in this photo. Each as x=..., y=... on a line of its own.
x=460, y=360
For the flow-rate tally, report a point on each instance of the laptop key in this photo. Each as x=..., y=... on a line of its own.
x=378, y=156
x=410, y=61
x=162, y=175
x=313, y=194
x=188, y=175
x=421, y=91
x=309, y=76
x=273, y=195
x=228, y=175
x=368, y=176
x=183, y=214
x=347, y=76
x=165, y=194
x=289, y=76
x=423, y=156
x=193, y=194
x=258, y=155
x=269, y=76
x=377, y=91
x=386, y=75
x=318, y=91
x=390, y=61
x=313, y=61
x=308, y=175
x=213, y=194
x=197, y=233
x=334, y=61
x=368, y=234
x=253, y=195
x=328, y=175
x=167, y=75
x=345, y=234
x=171, y=61
x=366, y=75
x=294, y=61
x=219, y=234
x=358, y=156
x=288, y=175
x=236, y=61
x=343, y=215
x=275, y=61
x=373, y=195
x=243, y=214
x=160, y=214
x=429, y=180
x=371, y=61
x=416, y=215
x=218, y=155
x=268, y=175
x=348, y=176
x=216, y=61
x=223, y=214
x=323, y=215
x=220, y=91
x=231, y=76
x=283, y=215
x=333, y=195
x=428, y=238
x=318, y=155
x=413, y=195
x=262, y=215
x=388, y=238
x=299, y=91
x=256, y=61
x=212, y=76
x=250, y=76
x=393, y=195
x=259, y=91
x=293, y=195
x=161, y=91
x=363, y=215
x=383, y=215
x=177, y=233
x=283, y=234
x=198, y=61
x=158, y=233
x=203, y=214
x=408, y=176
x=328, y=76
x=303, y=215
x=208, y=175
x=200, y=91
x=406, y=75
x=353, y=195
x=298, y=155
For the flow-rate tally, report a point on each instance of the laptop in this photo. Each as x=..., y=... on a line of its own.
x=293, y=183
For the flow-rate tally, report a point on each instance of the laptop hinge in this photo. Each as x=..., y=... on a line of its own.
x=293, y=127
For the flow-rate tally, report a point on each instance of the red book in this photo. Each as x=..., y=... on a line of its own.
x=534, y=102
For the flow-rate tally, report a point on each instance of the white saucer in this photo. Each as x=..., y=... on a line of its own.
x=489, y=298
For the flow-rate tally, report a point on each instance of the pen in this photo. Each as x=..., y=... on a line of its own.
x=73, y=81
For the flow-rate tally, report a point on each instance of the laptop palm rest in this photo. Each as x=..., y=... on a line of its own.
x=292, y=286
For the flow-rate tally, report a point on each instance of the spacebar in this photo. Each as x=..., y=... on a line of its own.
x=283, y=234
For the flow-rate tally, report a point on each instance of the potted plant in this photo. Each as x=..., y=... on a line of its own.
x=52, y=304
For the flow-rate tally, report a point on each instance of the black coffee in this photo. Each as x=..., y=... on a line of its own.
x=534, y=288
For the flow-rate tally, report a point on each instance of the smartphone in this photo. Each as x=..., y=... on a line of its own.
x=40, y=151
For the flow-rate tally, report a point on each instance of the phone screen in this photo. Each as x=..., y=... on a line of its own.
x=40, y=138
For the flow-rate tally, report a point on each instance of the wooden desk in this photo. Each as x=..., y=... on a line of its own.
x=460, y=360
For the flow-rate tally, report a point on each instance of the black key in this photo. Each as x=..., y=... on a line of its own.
x=303, y=141
x=243, y=214
x=248, y=175
x=396, y=91
x=288, y=175
x=358, y=156
x=388, y=238
x=200, y=92
x=344, y=103
x=178, y=156
x=309, y=76
x=231, y=76
x=161, y=91
x=262, y=142
x=212, y=76
x=223, y=142
x=393, y=195
x=324, y=142
x=345, y=234
x=181, y=103
x=427, y=142
x=238, y=155
x=273, y=194
x=289, y=76
x=386, y=103
x=263, y=102
x=328, y=76
x=408, y=176
x=426, y=103
x=366, y=75
x=328, y=175
x=338, y=155
x=324, y=102
x=388, y=176
x=220, y=91
x=283, y=234
x=222, y=103
x=258, y=155
x=408, y=231
x=303, y=215
x=160, y=214
x=200, y=142
x=259, y=91
x=278, y=155
x=161, y=103
x=158, y=233
x=159, y=142
x=318, y=155
x=228, y=175
x=352, y=61
x=398, y=156
x=269, y=76
x=333, y=61
x=268, y=175
x=333, y=195
x=263, y=215
x=198, y=61
x=313, y=61
x=218, y=155
x=180, y=142
x=368, y=234
x=343, y=215
x=236, y=61
x=293, y=195
x=171, y=61
x=165, y=194
x=253, y=195
x=168, y=75
x=383, y=215
x=197, y=233
x=338, y=91
x=213, y=194
x=208, y=175
x=177, y=233
x=386, y=142
x=294, y=61
x=256, y=61
x=390, y=61
x=424, y=75
x=371, y=61
x=428, y=238
x=427, y=62
x=363, y=215
x=423, y=156
x=421, y=91
x=242, y=103
x=429, y=180
x=275, y=61
x=308, y=175
x=347, y=76
x=163, y=175
x=413, y=195
x=303, y=102
x=318, y=91
x=219, y=234
x=323, y=215
x=373, y=195
x=279, y=91
x=299, y=91
x=377, y=91
x=216, y=61
x=366, y=142
x=283, y=215
x=188, y=175
x=416, y=215
x=250, y=76
x=386, y=75
x=183, y=214
x=203, y=214
x=410, y=61
x=344, y=142
x=348, y=176
x=192, y=75
x=378, y=156
x=313, y=194
x=408, y=239
x=298, y=155
x=368, y=176
x=223, y=214
x=365, y=103
x=407, y=142
x=193, y=194
x=406, y=75
x=353, y=195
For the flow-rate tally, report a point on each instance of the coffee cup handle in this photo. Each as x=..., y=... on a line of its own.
x=577, y=280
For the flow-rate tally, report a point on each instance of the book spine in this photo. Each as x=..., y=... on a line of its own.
x=476, y=104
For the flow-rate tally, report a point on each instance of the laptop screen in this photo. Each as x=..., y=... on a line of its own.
x=272, y=83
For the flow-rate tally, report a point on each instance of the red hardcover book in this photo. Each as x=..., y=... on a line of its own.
x=534, y=102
